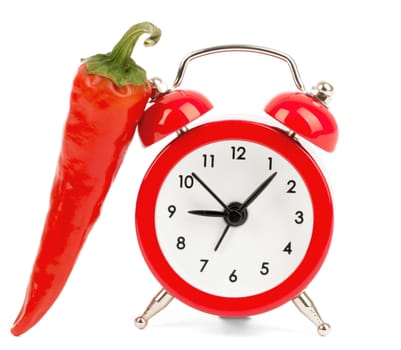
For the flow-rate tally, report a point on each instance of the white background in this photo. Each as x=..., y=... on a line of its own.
x=352, y=44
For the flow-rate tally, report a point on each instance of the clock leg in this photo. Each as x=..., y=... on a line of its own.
x=305, y=304
x=158, y=303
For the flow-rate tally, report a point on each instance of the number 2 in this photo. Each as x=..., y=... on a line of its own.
x=291, y=185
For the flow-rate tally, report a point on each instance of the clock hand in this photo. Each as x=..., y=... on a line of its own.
x=222, y=237
x=214, y=195
x=229, y=211
x=257, y=192
x=211, y=213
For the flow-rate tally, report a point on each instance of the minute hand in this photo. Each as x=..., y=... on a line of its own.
x=257, y=192
x=214, y=195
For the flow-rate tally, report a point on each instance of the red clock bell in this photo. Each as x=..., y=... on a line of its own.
x=235, y=217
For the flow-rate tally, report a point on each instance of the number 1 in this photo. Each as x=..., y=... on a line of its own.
x=270, y=162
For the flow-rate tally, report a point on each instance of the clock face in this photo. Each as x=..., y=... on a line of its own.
x=234, y=218
x=220, y=247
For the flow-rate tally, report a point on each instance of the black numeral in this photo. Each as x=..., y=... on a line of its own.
x=270, y=162
x=233, y=277
x=180, y=243
x=264, y=270
x=299, y=217
x=291, y=185
x=238, y=153
x=204, y=263
x=186, y=181
x=208, y=160
x=171, y=210
x=288, y=249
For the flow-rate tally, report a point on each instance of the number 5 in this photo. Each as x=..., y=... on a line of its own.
x=264, y=270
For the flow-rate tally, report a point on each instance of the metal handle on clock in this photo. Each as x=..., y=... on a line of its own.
x=240, y=48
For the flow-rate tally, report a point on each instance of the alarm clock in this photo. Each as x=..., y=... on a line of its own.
x=235, y=217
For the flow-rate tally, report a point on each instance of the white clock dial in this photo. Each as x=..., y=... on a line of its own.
x=241, y=251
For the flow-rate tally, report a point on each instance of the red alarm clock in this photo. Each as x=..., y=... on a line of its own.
x=235, y=217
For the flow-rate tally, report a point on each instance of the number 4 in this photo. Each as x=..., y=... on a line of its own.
x=288, y=249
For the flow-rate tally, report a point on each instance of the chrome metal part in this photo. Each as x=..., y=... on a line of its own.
x=181, y=131
x=159, y=86
x=323, y=91
x=240, y=48
x=292, y=134
x=305, y=304
x=158, y=303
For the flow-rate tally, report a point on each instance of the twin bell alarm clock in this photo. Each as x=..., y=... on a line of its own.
x=235, y=217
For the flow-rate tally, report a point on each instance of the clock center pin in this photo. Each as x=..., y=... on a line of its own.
x=236, y=216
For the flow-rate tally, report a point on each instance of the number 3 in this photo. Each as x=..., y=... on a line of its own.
x=300, y=217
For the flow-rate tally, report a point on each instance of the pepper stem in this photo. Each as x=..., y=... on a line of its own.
x=118, y=65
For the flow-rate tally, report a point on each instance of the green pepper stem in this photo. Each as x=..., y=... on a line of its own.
x=118, y=65
x=122, y=51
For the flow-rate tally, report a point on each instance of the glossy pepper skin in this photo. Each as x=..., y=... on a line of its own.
x=105, y=107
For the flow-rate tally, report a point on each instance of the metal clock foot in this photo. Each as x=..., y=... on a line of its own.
x=158, y=303
x=305, y=304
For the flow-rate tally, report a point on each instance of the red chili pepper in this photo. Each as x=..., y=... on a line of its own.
x=108, y=97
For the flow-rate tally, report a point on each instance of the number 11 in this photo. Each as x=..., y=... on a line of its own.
x=208, y=160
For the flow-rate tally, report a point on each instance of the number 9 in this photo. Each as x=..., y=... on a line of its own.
x=171, y=209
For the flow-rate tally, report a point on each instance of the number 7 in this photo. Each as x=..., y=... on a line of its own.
x=204, y=261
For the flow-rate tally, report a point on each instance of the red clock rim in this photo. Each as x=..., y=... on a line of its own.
x=314, y=180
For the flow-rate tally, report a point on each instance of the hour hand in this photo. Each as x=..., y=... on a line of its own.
x=210, y=213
